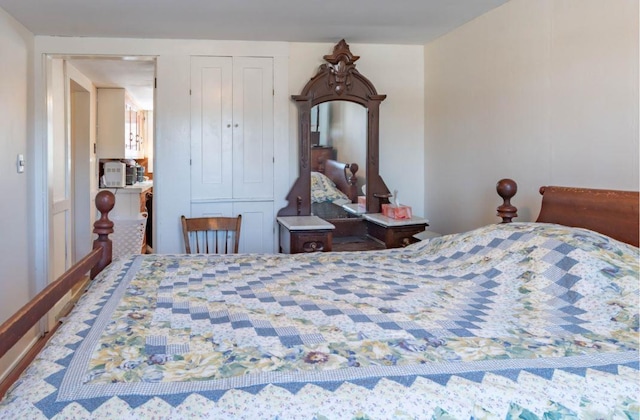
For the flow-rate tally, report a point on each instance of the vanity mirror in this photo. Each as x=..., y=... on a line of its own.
x=337, y=92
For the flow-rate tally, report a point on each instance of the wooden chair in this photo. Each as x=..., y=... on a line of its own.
x=211, y=235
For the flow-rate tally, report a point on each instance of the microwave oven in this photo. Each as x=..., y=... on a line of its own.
x=114, y=174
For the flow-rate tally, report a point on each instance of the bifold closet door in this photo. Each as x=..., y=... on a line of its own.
x=231, y=128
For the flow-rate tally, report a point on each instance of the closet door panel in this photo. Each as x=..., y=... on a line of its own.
x=258, y=224
x=212, y=209
x=252, y=127
x=211, y=130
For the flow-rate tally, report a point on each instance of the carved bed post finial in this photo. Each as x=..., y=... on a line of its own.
x=506, y=189
x=353, y=168
x=105, y=200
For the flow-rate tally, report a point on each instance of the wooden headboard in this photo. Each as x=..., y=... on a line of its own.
x=343, y=175
x=611, y=212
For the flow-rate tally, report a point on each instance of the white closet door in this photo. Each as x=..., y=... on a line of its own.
x=252, y=127
x=211, y=129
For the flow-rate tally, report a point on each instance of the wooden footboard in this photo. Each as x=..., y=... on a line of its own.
x=13, y=329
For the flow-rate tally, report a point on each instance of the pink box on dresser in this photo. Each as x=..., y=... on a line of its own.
x=396, y=212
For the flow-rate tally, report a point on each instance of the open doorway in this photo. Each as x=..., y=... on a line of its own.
x=123, y=94
x=72, y=84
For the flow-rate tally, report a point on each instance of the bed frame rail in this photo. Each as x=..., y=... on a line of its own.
x=21, y=322
x=13, y=329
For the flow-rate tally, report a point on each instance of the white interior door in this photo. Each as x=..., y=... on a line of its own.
x=61, y=199
x=82, y=159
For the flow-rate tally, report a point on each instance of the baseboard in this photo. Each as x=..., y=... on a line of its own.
x=16, y=360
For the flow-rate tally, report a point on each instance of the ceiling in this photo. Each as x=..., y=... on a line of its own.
x=414, y=22
x=135, y=74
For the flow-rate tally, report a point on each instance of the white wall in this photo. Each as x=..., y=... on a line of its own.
x=544, y=92
x=396, y=71
x=16, y=46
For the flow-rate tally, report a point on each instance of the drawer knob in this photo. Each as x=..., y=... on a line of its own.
x=314, y=246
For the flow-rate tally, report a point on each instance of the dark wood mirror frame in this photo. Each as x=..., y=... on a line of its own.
x=337, y=80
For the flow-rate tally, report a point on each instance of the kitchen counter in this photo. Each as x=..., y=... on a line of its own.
x=137, y=188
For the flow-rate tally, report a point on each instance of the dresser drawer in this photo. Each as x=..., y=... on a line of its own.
x=296, y=241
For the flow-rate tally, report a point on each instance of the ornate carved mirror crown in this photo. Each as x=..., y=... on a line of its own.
x=337, y=80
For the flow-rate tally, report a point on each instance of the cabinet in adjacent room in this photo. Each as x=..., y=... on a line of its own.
x=232, y=169
x=120, y=126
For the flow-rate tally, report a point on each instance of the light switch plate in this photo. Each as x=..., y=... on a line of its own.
x=20, y=164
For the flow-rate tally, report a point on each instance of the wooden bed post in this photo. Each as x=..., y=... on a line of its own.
x=105, y=200
x=353, y=182
x=507, y=188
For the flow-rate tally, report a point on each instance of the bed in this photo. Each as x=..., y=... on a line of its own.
x=512, y=320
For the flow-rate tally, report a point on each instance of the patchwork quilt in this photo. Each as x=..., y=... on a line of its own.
x=508, y=321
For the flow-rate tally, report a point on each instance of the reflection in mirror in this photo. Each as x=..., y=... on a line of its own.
x=340, y=128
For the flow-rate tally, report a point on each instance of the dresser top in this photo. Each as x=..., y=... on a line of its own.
x=304, y=223
x=379, y=219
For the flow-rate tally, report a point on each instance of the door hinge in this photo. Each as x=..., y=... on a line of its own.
x=155, y=82
x=189, y=92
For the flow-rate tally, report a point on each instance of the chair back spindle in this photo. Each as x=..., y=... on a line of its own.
x=211, y=235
